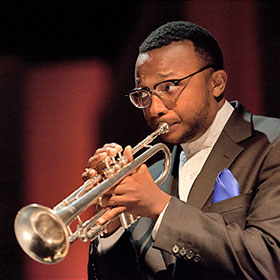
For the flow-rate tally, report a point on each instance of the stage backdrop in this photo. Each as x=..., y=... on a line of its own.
x=62, y=116
x=236, y=26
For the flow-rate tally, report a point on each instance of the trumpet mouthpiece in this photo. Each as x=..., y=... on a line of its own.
x=163, y=128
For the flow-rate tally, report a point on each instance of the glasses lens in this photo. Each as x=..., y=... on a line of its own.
x=140, y=98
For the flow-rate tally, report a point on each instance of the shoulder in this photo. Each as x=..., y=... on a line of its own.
x=267, y=125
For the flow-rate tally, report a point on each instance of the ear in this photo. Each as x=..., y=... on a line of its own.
x=219, y=81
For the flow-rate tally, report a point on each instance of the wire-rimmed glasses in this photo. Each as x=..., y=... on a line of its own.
x=167, y=90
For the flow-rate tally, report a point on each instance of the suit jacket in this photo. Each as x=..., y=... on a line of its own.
x=238, y=238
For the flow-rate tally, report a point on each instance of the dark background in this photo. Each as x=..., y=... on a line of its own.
x=43, y=32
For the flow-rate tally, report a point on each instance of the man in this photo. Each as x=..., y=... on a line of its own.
x=187, y=231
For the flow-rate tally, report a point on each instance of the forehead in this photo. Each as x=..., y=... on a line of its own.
x=176, y=58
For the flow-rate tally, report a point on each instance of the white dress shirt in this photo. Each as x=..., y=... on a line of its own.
x=192, y=159
x=194, y=154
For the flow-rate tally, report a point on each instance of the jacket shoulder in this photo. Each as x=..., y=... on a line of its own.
x=267, y=125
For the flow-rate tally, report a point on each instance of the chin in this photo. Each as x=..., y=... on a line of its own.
x=172, y=138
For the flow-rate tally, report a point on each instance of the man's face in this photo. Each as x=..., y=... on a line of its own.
x=193, y=112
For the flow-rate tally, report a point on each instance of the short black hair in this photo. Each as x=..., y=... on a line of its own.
x=204, y=42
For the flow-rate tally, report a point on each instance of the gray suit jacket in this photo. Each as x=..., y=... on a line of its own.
x=238, y=238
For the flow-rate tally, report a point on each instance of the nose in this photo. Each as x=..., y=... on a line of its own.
x=157, y=107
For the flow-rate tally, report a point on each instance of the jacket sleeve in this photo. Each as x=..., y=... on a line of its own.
x=241, y=241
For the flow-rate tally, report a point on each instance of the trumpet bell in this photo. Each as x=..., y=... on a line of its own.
x=41, y=234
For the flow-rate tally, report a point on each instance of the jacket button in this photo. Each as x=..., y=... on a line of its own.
x=196, y=258
x=182, y=252
x=189, y=254
x=175, y=249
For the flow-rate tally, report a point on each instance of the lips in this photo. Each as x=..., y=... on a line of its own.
x=154, y=123
x=171, y=124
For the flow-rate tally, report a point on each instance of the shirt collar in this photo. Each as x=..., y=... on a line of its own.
x=209, y=138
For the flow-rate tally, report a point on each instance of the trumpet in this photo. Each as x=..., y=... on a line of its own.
x=45, y=234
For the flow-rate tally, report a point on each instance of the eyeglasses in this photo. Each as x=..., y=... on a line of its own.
x=167, y=90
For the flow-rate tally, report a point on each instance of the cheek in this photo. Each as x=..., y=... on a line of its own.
x=148, y=117
x=186, y=107
x=193, y=100
x=145, y=113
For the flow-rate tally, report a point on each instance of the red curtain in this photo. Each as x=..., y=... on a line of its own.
x=235, y=26
x=63, y=111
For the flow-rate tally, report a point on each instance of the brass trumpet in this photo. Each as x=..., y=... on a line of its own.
x=45, y=235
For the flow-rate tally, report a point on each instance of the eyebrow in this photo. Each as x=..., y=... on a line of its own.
x=162, y=77
x=167, y=75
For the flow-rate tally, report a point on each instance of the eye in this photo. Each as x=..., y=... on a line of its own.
x=141, y=94
x=168, y=88
x=140, y=98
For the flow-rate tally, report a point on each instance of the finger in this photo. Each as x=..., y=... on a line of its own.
x=120, y=199
x=111, y=214
x=112, y=149
x=88, y=173
x=103, y=201
x=96, y=159
x=112, y=200
x=114, y=146
x=128, y=153
x=102, y=153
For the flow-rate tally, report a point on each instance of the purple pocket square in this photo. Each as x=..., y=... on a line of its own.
x=226, y=186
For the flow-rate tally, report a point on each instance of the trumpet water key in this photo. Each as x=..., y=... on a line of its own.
x=45, y=234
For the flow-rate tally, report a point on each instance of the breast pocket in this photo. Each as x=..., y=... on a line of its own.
x=234, y=209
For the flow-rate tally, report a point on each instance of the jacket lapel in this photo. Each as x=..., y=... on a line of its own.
x=224, y=152
x=170, y=184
